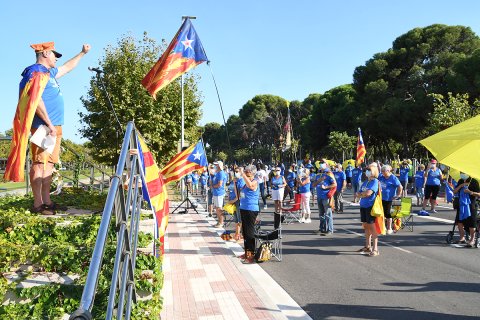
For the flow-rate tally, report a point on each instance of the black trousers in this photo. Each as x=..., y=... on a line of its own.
x=248, y=229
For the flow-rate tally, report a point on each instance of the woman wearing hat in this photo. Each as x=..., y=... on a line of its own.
x=433, y=180
x=278, y=184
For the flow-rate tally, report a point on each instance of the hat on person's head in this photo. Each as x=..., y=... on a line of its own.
x=278, y=169
x=433, y=161
x=219, y=164
x=46, y=46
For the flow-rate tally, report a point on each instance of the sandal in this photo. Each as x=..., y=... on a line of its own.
x=373, y=253
x=365, y=249
x=55, y=206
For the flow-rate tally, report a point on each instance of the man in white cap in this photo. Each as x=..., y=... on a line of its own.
x=218, y=191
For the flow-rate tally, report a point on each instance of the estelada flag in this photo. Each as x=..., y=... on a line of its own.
x=154, y=190
x=32, y=85
x=184, y=53
x=191, y=159
x=361, y=151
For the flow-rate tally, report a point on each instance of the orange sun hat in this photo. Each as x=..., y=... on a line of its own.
x=46, y=46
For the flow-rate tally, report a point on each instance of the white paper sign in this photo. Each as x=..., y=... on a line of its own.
x=43, y=139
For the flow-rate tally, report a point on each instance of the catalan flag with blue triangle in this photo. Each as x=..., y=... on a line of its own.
x=155, y=191
x=191, y=159
x=184, y=53
x=361, y=151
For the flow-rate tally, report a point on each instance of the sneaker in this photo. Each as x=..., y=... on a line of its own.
x=302, y=220
x=265, y=207
x=308, y=220
x=433, y=211
x=317, y=232
x=218, y=225
x=389, y=231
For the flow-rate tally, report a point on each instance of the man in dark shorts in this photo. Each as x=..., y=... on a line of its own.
x=433, y=180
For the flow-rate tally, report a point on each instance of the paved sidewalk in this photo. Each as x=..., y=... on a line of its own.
x=204, y=279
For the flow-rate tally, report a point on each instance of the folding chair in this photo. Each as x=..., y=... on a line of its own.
x=274, y=237
x=402, y=215
x=295, y=212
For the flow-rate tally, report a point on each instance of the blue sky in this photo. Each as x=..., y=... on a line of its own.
x=286, y=48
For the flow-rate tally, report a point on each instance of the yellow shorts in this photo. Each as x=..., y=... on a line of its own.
x=39, y=154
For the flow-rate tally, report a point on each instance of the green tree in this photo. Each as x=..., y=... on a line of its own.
x=158, y=119
x=393, y=87
x=341, y=143
x=451, y=110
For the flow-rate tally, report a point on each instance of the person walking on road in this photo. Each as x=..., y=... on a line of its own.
x=278, y=184
x=433, y=180
x=324, y=184
x=367, y=193
x=468, y=190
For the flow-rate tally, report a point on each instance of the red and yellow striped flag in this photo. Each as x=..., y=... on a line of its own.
x=361, y=151
x=156, y=191
x=34, y=80
x=191, y=159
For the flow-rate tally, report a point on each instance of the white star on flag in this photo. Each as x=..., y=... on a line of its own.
x=187, y=43
x=196, y=156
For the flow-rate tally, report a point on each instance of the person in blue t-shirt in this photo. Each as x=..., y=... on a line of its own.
x=367, y=193
x=348, y=174
x=218, y=191
x=356, y=179
x=419, y=183
x=341, y=179
x=391, y=188
x=434, y=178
x=203, y=182
x=313, y=175
x=195, y=178
x=291, y=178
x=49, y=112
x=323, y=184
x=304, y=183
x=403, y=176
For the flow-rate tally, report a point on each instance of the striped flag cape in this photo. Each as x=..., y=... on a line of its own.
x=155, y=191
x=191, y=159
x=361, y=151
x=184, y=53
x=34, y=81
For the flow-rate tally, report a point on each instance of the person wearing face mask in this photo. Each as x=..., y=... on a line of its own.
x=278, y=184
x=304, y=190
x=367, y=193
x=468, y=190
x=433, y=180
x=249, y=210
x=391, y=187
x=211, y=174
x=419, y=183
x=324, y=183
x=341, y=179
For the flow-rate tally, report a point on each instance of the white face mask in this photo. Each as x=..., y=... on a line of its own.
x=277, y=173
x=323, y=166
x=368, y=173
x=238, y=175
x=464, y=176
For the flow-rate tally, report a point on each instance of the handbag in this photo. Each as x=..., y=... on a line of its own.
x=230, y=208
x=377, y=208
x=264, y=252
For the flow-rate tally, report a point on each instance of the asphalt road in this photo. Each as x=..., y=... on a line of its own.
x=416, y=276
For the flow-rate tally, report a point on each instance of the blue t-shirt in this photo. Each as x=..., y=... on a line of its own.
x=368, y=202
x=195, y=178
x=403, y=174
x=219, y=176
x=327, y=180
x=231, y=191
x=249, y=198
x=188, y=178
x=305, y=188
x=312, y=179
x=291, y=176
x=348, y=171
x=356, y=175
x=53, y=99
x=419, y=179
x=389, y=186
x=276, y=182
x=433, y=177
x=340, y=176
x=203, y=179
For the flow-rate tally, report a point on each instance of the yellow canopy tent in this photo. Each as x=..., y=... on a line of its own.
x=348, y=162
x=458, y=146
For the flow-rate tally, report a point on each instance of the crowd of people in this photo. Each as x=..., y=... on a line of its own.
x=323, y=184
